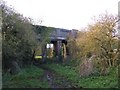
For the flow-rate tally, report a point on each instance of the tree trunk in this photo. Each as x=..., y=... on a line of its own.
x=44, y=52
x=33, y=56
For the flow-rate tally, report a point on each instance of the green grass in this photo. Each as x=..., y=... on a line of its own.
x=29, y=77
x=67, y=72
x=70, y=73
x=108, y=81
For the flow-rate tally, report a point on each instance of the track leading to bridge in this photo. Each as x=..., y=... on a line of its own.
x=54, y=80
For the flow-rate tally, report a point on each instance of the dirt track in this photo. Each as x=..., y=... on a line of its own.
x=54, y=80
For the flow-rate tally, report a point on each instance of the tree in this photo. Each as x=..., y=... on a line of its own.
x=101, y=37
x=18, y=39
x=43, y=36
x=100, y=40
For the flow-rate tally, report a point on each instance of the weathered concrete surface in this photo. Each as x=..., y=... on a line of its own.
x=62, y=34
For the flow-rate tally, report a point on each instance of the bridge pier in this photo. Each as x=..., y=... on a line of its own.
x=60, y=50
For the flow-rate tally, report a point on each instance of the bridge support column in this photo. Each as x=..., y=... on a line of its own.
x=59, y=50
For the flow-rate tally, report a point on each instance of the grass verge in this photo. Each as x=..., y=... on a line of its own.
x=70, y=73
x=29, y=77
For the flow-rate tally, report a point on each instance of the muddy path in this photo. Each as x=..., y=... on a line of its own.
x=54, y=80
x=49, y=77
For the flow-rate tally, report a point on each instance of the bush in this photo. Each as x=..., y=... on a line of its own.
x=18, y=38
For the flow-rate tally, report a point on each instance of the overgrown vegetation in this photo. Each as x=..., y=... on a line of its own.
x=94, y=54
x=43, y=37
x=29, y=77
x=97, y=47
x=93, y=81
x=18, y=40
x=21, y=40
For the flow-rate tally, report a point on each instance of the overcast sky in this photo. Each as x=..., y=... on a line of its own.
x=68, y=14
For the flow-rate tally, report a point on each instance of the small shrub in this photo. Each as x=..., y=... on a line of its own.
x=86, y=68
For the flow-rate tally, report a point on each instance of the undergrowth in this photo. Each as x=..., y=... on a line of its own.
x=28, y=77
x=97, y=81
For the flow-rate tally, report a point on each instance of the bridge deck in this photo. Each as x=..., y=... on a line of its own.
x=62, y=34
